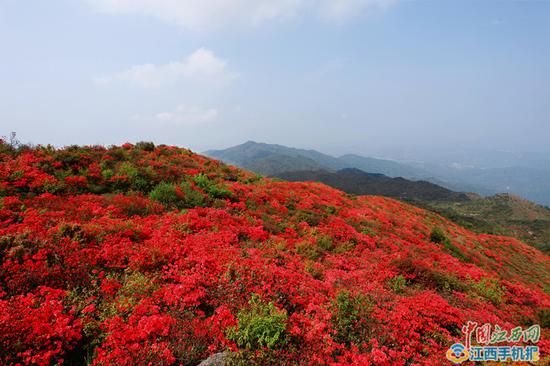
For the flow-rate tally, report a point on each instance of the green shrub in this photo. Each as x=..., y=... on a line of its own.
x=256, y=358
x=138, y=179
x=490, y=289
x=438, y=236
x=191, y=197
x=325, y=242
x=312, y=218
x=308, y=250
x=182, y=196
x=544, y=317
x=166, y=194
x=107, y=174
x=211, y=188
x=145, y=146
x=397, y=284
x=260, y=325
x=351, y=317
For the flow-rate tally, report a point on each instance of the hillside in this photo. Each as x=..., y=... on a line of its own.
x=501, y=214
x=358, y=182
x=155, y=255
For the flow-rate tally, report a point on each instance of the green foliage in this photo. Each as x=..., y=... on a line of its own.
x=369, y=232
x=139, y=181
x=182, y=196
x=191, y=197
x=166, y=194
x=438, y=236
x=397, y=284
x=145, y=146
x=211, y=188
x=351, y=317
x=325, y=242
x=543, y=317
x=257, y=358
x=500, y=215
x=310, y=251
x=260, y=325
x=312, y=218
x=490, y=289
x=107, y=174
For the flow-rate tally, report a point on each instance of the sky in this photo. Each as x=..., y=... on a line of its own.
x=375, y=77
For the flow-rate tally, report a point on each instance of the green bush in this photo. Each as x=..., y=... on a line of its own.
x=191, y=197
x=182, y=196
x=397, y=284
x=259, y=325
x=138, y=179
x=351, y=318
x=145, y=146
x=308, y=250
x=544, y=317
x=325, y=242
x=166, y=194
x=438, y=236
x=211, y=188
x=312, y=218
x=490, y=289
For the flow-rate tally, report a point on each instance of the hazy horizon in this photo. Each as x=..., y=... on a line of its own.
x=385, y=78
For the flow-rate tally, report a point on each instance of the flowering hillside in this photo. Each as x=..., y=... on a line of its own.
x=144, y=255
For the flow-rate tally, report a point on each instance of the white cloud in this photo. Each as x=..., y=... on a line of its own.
x=208, y=14
x=201, y=67
x=184, y=115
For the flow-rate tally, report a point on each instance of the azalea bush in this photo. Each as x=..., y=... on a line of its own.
x=153, y=255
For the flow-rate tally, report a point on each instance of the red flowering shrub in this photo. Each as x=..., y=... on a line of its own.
x=145, y=255
x=37, y=328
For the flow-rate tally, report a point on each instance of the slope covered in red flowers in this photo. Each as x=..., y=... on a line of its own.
x=144, y=255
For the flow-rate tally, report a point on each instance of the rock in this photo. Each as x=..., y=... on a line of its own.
x=217, y=359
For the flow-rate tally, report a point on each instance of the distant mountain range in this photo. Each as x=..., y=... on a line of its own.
x=269, y=159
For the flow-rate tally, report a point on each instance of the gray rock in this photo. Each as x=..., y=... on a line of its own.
x=217, y=359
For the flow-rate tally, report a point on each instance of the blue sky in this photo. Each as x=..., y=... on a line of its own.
x=374, y=77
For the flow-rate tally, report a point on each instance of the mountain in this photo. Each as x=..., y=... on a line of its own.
x=154, y=255
x=386, y=167
x=273, y=164
x=251, y=154
x=358, y=182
